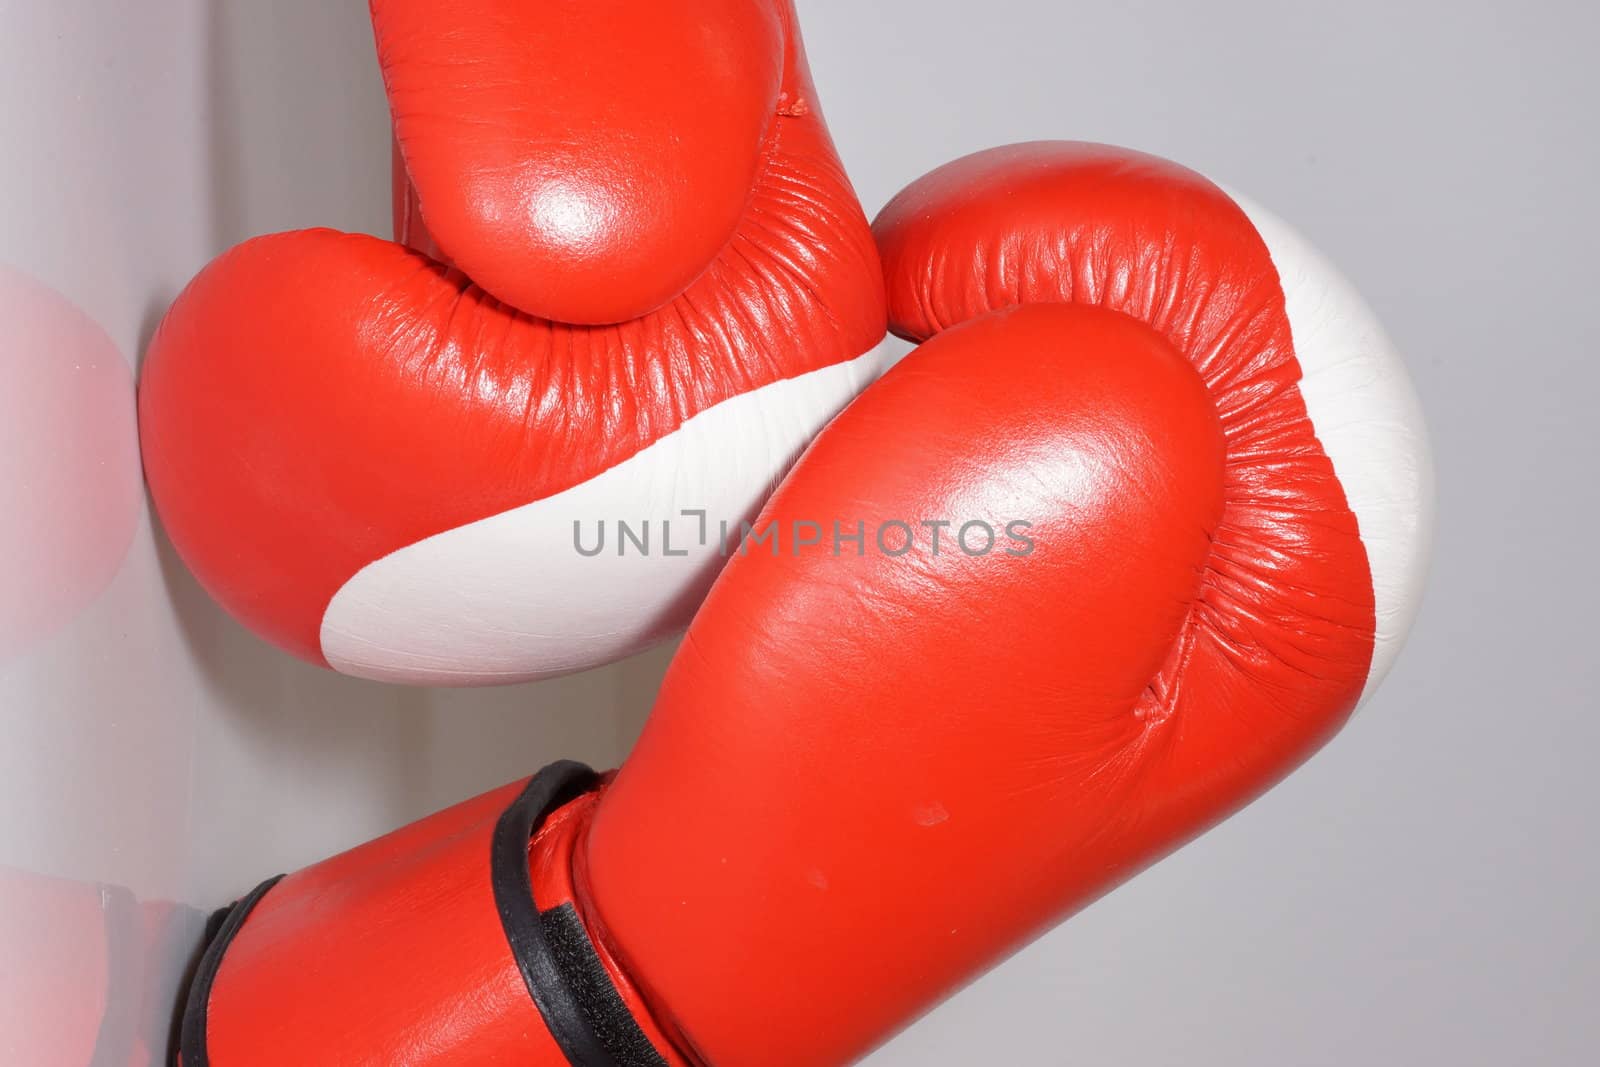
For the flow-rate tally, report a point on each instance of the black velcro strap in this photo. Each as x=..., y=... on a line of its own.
x=226, y=923
x=597, y=998
x=581, y=1007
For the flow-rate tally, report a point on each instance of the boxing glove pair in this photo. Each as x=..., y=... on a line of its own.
x=1125, y=540
x=630, y=281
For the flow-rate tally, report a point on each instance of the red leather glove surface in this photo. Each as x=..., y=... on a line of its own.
x=869, y=778
x=644, y=283
x=1182, y=490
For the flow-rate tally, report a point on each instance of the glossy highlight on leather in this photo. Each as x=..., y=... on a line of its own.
x=552, y=194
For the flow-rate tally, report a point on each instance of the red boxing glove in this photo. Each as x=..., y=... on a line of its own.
x=868, y=779
x=1181, y=527
x=643, y=284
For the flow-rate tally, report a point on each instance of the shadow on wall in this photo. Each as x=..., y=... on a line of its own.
x=298, y=123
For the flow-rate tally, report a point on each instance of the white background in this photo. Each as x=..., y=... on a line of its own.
x=1423, y=892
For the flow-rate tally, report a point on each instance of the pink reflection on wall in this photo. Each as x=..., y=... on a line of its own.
x=79, y=963
x=69, y=466
x=59, y=940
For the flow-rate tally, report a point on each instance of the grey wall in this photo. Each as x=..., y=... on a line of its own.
x=1425, y=891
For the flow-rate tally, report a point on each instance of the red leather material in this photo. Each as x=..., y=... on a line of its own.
x=315, y=401
x=551, y=143
x=409, y=229
x=394, y=952
x=873, y=772
x=866, y=778
x=390, y=953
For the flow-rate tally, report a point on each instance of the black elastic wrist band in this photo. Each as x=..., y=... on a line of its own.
x=225, y=924
x=570, y=986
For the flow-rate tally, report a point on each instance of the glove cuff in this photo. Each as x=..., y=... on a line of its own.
x=476, y=903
